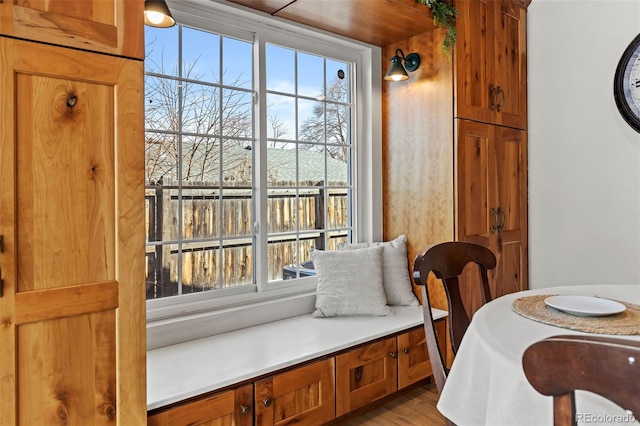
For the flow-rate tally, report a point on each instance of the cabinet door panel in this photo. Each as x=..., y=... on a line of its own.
x=510, y=189
x=108, y=26
x=473, y=180
x=509, y=275
x=510, y=62
x=304, y=396
x=73, y=237
x=365, y=374
x=473, y=61
x=508, y=177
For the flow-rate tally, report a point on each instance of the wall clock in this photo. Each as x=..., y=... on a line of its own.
x=626, y=84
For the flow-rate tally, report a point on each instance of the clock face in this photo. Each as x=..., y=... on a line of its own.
x=626, y=86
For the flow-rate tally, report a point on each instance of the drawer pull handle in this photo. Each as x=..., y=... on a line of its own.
x=358, y=373
x=405, y=350
x=245, y=409
x=267, y=402
x=394, y=355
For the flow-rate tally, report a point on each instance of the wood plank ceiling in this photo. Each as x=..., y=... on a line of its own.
x=377, y=22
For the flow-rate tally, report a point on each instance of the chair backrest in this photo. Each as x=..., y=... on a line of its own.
x=447, y=261
x=560, y=365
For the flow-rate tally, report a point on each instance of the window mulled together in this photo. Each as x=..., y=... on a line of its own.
x=243, y=180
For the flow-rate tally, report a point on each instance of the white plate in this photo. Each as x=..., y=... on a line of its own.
x=585, y=305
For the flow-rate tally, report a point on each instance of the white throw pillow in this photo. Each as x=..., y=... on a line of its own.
x=350, y=283
x=396, y=280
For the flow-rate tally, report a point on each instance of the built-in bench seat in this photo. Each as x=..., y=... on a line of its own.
x=182, y=371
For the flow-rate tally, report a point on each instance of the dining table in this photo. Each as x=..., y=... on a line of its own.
x=487, y=385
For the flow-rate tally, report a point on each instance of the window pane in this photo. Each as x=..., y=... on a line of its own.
x=199, y=267
x=200, y=160
x=282, y=165
x=312, y=166
x=280, y=69
x=237, y=217
x=337, y=168
x=161, y=201
x=310, y=75
x=237, y=265
x=161, y=157
x=200, y=213
x=200, y=109
x=238, y=164
x=282, y=109
x=338, y=123
x=237, y=59
x=161, y=51
x=200, y=55
x=311, y=123
x=161, y=103
x=310, y=209
x=237, y=113
x=338, y=208
x=338, y=81
x=338, y=237
x=290, y=258
x=281, y=210
x=161, y=271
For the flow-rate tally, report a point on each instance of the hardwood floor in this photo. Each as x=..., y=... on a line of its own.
x=415, y=407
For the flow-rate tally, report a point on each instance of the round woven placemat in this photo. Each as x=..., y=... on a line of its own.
x=533, y=307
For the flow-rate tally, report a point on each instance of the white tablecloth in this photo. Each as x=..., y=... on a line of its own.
x=487, y=385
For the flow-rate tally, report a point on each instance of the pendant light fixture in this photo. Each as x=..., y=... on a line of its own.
x=157, y=14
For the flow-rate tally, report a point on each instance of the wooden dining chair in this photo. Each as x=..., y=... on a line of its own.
x=560, y=365
x=447, y=261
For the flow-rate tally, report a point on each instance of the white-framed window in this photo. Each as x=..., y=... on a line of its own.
x=260, y=146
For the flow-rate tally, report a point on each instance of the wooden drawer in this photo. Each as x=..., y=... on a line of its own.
x=232, y=407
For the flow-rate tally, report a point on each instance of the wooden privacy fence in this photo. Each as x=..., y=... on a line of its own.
x=217, y=235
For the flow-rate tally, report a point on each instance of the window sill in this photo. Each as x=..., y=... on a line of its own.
x=172, y=331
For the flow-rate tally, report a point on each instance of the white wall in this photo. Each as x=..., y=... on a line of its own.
x=584, y=160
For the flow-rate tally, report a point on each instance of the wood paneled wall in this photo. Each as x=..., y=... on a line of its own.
x=418, y=149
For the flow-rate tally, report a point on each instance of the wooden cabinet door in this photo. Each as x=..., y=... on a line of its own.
x=413, y=357
x=510, y=62
x=304, y=396
x=365, y=374
x=492, y=202
x=473, y=64
x=509, y=194
x=232, y=408
x=491, y=62
x=72, y=341
x=107, y=26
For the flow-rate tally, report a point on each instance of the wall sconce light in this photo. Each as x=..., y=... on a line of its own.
x=397, y=72
x=157, y=14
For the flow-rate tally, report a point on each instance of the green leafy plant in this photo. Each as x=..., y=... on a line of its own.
x=444, y=16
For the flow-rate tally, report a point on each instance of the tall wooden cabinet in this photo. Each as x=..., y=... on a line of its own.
x=490, y=137
x=72, y=302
